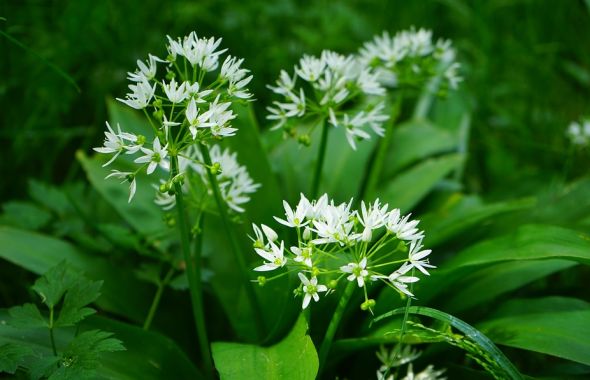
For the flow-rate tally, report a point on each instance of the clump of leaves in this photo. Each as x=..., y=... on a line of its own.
x=66, y=294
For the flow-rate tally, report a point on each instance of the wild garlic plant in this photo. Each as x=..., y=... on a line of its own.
x=339, y=245
x=187, y=99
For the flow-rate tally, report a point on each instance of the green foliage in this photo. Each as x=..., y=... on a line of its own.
x=294, y=357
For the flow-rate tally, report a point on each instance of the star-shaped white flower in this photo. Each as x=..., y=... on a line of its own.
x=274, y=256
x=417, y=258
x=357, y=271
x=311, y=289
x=303, y=255
x=155, y=157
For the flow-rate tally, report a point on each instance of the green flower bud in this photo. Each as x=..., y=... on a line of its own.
x=333, y=284
x=304, y=140
x=158, y=103
x=261, y=280
x=170, y=75
x=141, y=139
x=315, y=272
x=179, y=179
x=215, y=169
x=368, y=304
x=164, y=187
x=130, y=177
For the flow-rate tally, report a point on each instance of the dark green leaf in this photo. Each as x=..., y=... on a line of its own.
x=294, y=357
x=54, y=283
x=13, y=356
x=82, y=293
x=25, y=215
x=27, y=315
x=49, y=196
x=545, y=329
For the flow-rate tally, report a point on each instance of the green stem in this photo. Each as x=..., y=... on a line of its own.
x=404, y=328
x=315, y=185
x=239, y=258
x=193, y=270
x=156, y=301
x=334, y=323
x=53, y=347
x=374, y=172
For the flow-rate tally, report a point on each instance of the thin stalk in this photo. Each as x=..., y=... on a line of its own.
x=374, y=172
x=239, y=258
x=404, y=328
x=334, y=323
x=53, y=347
x=156, y=301
x=315, y=185
x=193, y=270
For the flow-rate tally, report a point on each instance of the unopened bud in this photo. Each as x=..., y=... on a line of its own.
x=315, y=272
x=368, y=304
x=215, y=169
x=333, y=284
x=304, y=140
x=261, y=280
x=170, y=75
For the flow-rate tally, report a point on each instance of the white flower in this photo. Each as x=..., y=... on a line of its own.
x=579, y=132
x=357, y=271
x=145, y=72
x=400, y=281
x=155, y=157
x=114, y=142
x=427, y=374
x=372, y=218
x=219, y=115
x=267, y=232
x=295, y=218
x=335, y=226
x=126, y=176
x=311, y=289
x=417, y=258
x=140, y=96
x=236, y=76
x=403, y=228
x=303, y=255
x=274, y=257
x=195, y=119
x=285, y=84
x=174, y=92
x=310, y=68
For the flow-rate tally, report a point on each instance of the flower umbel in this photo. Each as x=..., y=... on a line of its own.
x=335, y=241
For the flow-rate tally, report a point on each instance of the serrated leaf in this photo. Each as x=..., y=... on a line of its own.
x=82, y=293
x=28, y=316
x=294, y=357
x=54, y=283
x=13, y=356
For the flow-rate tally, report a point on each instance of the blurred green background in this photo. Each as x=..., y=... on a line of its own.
x=526, y=66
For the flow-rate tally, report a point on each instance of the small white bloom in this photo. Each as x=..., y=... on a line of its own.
x=154, y=157
x=311, y=289
x=372, y=218
x=310, y=68
x=274, y=256
x=295, y=218
x=400, y=281
x=126, y=176
x=417, y=258
x=262, y=232
x=114, y=142
x=145, y=71
x=303, y=255
x=140, y=96
x=174, y=92
x=403, y=228
x=357, y=271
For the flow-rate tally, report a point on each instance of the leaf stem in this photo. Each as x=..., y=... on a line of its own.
x=53, y=347
x=193, y=270
x=156, y=301
x=334, y=323
x=374, y=171
x=315, y=185
x=244, y=272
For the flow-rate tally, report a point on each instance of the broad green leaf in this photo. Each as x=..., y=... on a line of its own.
x=294, y=357
x=409, y=145
x=529, y=242
x=488, y=283
x=410, y=186
x=561, y=333
x=141, y=213
x=13, y=356
x=460, y=213
x=149, y=355
x=532, y=242
x=38, y=253
x=24, y=215
x=469, y=331
x=49, y=196
x=27, y=315
x=520, y=306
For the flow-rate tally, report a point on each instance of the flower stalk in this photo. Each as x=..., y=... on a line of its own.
x=317, y=175
x=334, y=323
x=221, y=205
x=156, y=301
x=193, y=270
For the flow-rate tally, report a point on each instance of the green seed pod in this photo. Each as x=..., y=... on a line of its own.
x=333, y=284
x=261, y=280
x=304, y=140
x=215, y=168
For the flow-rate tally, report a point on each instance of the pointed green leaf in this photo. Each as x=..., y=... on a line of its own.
x=81, y=294
x=294, y=357
x=13, y=356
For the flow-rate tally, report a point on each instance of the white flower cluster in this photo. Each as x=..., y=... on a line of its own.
x=329, y=84
x=336, y=242
x=411, y=58
x=579, y=132
x=396, y=358
x=189, y=104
